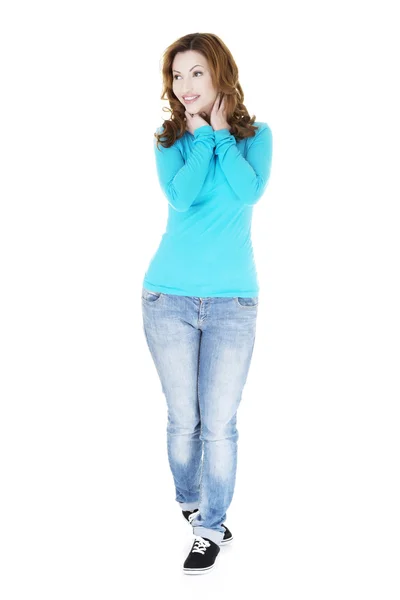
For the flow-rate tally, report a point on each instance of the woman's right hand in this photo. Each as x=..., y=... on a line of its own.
x=193, y=123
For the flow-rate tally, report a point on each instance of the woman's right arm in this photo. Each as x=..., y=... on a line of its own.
x=182, y=181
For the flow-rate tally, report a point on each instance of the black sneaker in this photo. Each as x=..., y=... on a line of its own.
x=187, y=513
x=202, y=556
x=228, y=537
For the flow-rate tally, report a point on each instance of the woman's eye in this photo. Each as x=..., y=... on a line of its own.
x=175, y=76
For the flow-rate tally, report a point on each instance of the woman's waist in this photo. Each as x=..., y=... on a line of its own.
x=221, y=245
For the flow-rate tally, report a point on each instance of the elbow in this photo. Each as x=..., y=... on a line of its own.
x=175, y=207
x=256, y=192
x=176, y=201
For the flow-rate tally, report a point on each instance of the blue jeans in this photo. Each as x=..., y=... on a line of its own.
x=201, y=348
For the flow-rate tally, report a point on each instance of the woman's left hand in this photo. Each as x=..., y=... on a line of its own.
x=218, y=115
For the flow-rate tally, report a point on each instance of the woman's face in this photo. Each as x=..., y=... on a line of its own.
x=191, y=77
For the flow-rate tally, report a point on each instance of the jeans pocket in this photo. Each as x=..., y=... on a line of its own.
x=150, y=297
x=247, y=302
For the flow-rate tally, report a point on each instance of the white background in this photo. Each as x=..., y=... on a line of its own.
x=87, y=503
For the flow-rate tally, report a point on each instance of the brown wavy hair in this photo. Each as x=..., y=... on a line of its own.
x=224, y=75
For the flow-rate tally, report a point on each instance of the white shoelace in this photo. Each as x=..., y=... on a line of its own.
x=200, y=544
x=192, y=516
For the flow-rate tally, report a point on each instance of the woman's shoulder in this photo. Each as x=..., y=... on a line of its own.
x=261, y=126
x=160, y=130
x=263, y=132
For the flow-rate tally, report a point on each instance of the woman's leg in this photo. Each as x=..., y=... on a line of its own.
x=174, y=341
x=228, y=326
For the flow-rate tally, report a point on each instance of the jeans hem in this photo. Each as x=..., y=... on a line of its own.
x=211, y=534
x=189, y=505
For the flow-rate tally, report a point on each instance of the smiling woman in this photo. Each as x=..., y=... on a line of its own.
x=201, y=65
x=193, y=85
x=200, y=291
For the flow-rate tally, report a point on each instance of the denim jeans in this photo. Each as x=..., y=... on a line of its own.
x=202, y=349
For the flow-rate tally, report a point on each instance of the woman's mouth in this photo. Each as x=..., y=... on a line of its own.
x=190, y=99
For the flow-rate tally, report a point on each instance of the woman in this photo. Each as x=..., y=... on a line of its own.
x=200, y=291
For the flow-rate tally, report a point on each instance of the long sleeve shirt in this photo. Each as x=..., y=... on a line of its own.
x=211, y=182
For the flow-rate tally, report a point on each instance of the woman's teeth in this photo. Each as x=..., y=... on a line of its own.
x=190, y=99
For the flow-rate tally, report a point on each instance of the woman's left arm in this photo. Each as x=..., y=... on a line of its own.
x=248, y=177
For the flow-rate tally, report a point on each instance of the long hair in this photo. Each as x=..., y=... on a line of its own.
x=224, y=75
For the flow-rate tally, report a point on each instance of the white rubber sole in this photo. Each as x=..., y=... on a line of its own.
x=197, y=571
x=224, y=542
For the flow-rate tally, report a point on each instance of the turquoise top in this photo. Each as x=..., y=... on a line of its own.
x=211, y=182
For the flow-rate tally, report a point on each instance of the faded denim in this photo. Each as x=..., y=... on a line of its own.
x=202, y=349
